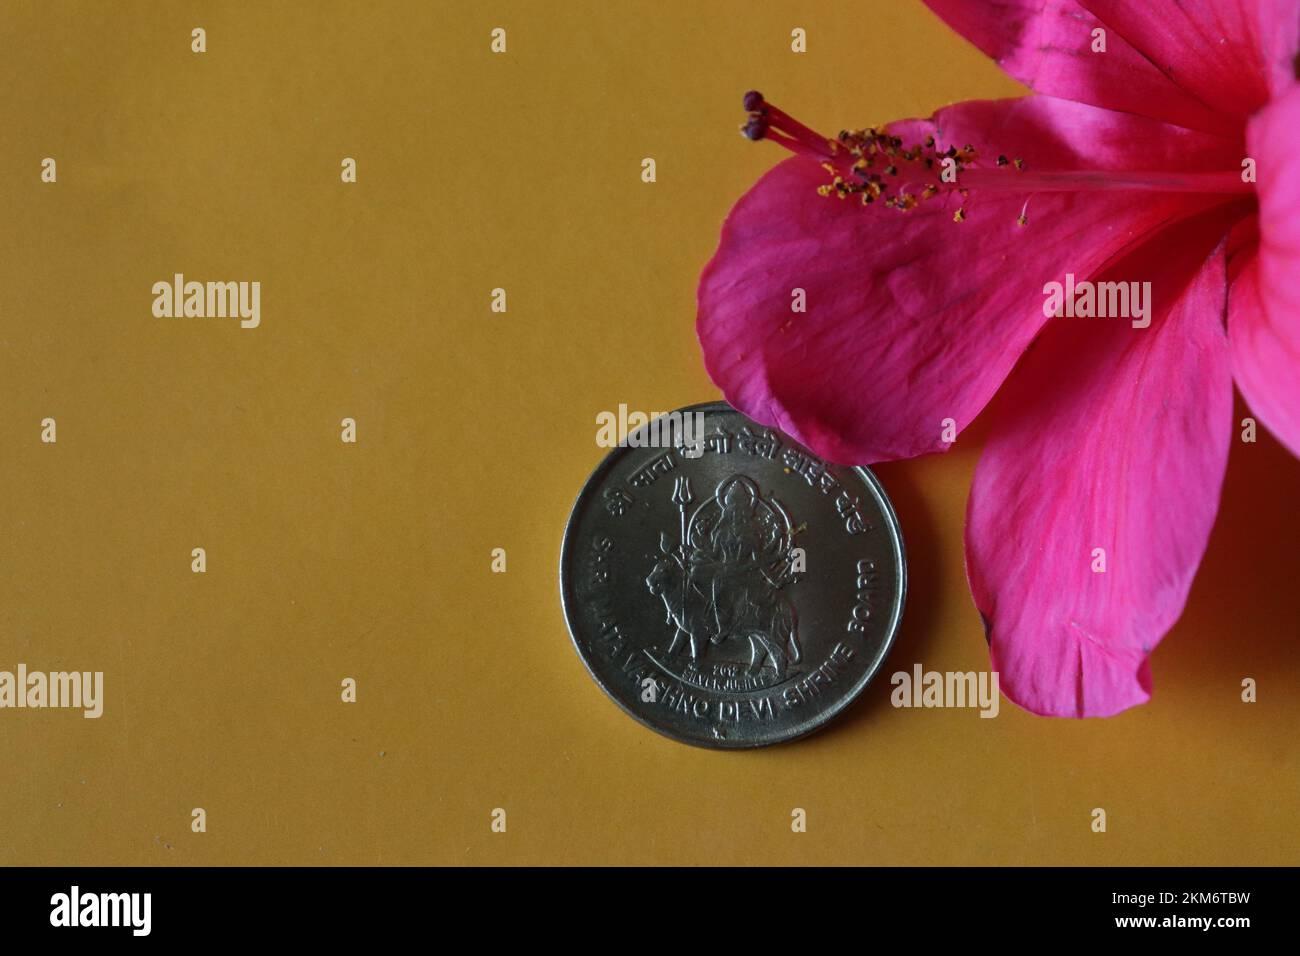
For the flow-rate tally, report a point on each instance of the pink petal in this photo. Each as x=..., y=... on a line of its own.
x=1206, y=66
x=1264, y=304
x=1111, y=437
x=912, y=318
x=1231, y=55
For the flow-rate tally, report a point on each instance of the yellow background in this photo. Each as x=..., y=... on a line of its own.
x=476, y=431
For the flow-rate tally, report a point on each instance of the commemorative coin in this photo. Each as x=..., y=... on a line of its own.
x=725, y=586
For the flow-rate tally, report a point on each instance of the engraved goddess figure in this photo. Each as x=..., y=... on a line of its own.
x=739, y=557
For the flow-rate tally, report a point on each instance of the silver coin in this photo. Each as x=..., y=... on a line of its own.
x=725, y=586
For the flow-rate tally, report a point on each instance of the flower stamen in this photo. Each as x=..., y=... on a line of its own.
x=918, y=173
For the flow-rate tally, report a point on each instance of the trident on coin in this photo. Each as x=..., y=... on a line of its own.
x=682, y=497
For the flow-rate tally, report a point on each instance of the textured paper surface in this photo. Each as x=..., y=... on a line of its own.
x=475, y=431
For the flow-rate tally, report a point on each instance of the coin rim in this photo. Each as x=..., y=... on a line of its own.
x=568, y=601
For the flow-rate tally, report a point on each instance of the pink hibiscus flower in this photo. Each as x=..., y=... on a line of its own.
x=923, y=297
